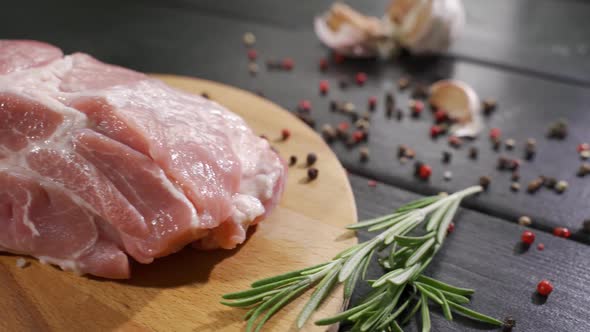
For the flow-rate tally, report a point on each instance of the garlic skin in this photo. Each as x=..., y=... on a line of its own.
x=462, y=105
x=421, y=26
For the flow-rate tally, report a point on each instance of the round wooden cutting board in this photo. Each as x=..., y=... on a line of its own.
x=181, y=292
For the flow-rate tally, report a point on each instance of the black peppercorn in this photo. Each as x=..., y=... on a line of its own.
x=484, y=182
x=586, y=226
x=334, y=106
x=420, y=91
x=364, y=153
x=584, y=170
x=311, y=158
x=489, y=105
x=473, y=152
x=403, y=83
x=509, y=324
x=312, y=173
x=515, y=176
x=401, y=151
x=205, y=95
x=496, y=143
x=292, y=160
x=343, y=84
x=558, y=129
x=417, y=166
x=503, y=163
x=550, y=182
x=399, y=115
x=446, y=157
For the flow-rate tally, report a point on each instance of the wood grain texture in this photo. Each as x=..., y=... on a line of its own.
x=181, y=292
x=484, y=253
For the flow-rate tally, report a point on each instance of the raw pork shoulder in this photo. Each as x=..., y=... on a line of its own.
x=98, y=162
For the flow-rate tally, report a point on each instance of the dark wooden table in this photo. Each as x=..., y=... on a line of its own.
x=532, y=56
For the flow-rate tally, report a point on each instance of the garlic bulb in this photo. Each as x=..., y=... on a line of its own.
x=461, y=103
x=421, y=26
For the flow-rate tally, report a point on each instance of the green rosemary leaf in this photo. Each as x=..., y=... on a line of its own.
x=281, y=303
x=407, y=224
x=394, y=315
x=345, y=314
x=444, y=224
x=420, y=252
x=283, y=276
x=444, y=286
x=248, y=301
x=412, y=312
x=446, y=309
x=425, y=314
x=410, y=241
x=355, y=259
x=261, y=289
x=370, y=222
x=436, y=217
x=419, y=203
x=395, y=327
x=459, y=299
x=424, y=266
x=323, y=289
x=474, y=314
x=262, y=307
x=429, y=293
x=404, y=276
x=366, y=263
x=346, y=252
x=250, y=312
x=381, y=281
x=388, y=223
x=384, y=306
x=350, y=283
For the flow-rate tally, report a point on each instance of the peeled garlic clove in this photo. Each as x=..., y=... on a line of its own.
x=461, y=103
x=350, y=33
x=426, y=26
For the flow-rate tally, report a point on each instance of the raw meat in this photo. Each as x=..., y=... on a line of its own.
x=98, y=162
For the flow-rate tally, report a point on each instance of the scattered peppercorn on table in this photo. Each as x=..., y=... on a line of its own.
x=523, y=244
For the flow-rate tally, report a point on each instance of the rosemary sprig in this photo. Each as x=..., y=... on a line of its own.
x=397, y=295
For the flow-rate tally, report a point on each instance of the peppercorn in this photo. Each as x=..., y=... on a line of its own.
x=311, y=158
x=550, y=183
x=509, y=143
x=399, y=115
x=343, y=83
x=451, y=228
x=535, y=185
x=495, y=133
x=401, y=151
x=364, y=153
x=558, y=129
x=529, y=152
x=372, y=103
x=205, y=95
x=410, y=153
x=527, y=237
x=489, y=105
x=484, y=182
x=292, y=160
x=249, y=39
x=583, y=147
x=515, y=186
x=585, y=154
x=496, y=144
x=562, y=232
x=513, y=164
x=285, y=134
x=312, y=173
x=440, y=116
x=509, y=324
x=447, y=175
x=561, y=186
x=525, y=221
x=334, y=106
x=328, y=132
x=338, y=58
x=417, y=107
x=586, y=226
x=435, y=131
x=272, y=64
x=324, y=87
x=473, y=152
x=515, y=176
x=417, y=165
x=372, y=183
x=388, y=112
x=304, y=106
x=343, y=129
x=323, y=64
x=362, y=124
x=420, y=91
x=584, y=170
x=287, y=64
x=446, y=157
x=360, y=78
x=424, y=172
x=253, y=68
x=455, y=141
x=358, y=135
x=544, y=288
x=503, y=163
x=403, y=83
x=252, y=54
x=348, y=107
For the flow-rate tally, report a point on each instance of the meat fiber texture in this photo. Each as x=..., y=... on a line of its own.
x=99, y=163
